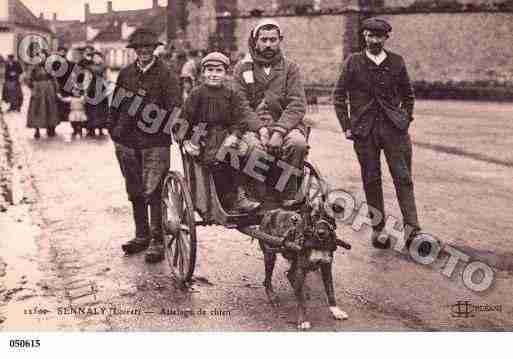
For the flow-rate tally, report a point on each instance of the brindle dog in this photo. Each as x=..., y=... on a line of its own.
x=314, y=231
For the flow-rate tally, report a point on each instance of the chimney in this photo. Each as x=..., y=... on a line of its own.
x=86, y=11
x=155, y=4
x=41, y=16
x=54, y=16
x=109, y=6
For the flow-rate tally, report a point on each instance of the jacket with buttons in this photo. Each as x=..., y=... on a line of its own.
x=373, y=91
x=158, y=92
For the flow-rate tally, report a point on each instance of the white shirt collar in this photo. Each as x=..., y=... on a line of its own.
x=147, y=67
x=377, y=59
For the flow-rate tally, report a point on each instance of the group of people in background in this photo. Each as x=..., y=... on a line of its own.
x=51, y=102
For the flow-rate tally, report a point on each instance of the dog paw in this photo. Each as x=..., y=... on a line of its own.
x=304, y=326
x=338, y=314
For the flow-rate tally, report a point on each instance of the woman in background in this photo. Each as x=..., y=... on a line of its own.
x=42, y=111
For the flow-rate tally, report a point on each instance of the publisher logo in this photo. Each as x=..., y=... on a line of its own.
x=465, y=309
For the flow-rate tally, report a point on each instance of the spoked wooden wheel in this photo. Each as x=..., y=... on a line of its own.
x=312, y=185
x=179, y=227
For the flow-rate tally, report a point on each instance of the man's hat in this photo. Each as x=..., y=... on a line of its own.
x=265, y=22
x=376, y=25
x=215, y=58
x=143, y=37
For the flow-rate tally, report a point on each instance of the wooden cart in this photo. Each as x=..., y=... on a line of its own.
x=191, y=199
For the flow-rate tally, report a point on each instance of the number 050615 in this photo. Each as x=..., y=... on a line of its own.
x=24, y=343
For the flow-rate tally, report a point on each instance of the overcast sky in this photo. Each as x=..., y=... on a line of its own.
x=74, y=9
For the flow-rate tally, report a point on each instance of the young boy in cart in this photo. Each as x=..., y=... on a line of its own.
x=215, y=106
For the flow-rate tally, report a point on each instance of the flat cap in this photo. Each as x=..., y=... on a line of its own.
x=216, y=58
x=377, y=25
x=143, y=37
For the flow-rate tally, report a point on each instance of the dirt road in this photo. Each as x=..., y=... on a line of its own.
x=60, y=243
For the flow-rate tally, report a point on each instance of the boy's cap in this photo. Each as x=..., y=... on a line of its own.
x=215, y=58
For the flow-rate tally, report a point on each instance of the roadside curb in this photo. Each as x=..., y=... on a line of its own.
x=6, y=166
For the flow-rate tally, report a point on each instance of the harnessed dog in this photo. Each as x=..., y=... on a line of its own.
x=312, y=230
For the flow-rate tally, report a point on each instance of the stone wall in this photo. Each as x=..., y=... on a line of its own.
x=470, y=47
x=459, y=41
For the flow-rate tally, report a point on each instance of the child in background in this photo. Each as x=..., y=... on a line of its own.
x=77, y=116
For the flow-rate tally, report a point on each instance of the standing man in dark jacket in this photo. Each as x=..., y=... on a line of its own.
x=144, y=89
x=376, y=84
x=270, y=86
x=12, y=92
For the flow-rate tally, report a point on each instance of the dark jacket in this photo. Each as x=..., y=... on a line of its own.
x=282, y=89
x=221, y=110
x=158, y=87
x=13, y=71
x=373, y=91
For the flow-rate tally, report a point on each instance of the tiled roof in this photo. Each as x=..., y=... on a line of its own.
x=19, y=14
x=131, y=17
x=111, y=33
x=70, y=32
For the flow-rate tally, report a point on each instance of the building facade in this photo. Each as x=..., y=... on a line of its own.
x=17, y=22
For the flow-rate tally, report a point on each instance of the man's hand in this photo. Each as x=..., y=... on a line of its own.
x=191, y=148
x=264, y=136
x=349, y=135
x=275, y=143
x=231, y=142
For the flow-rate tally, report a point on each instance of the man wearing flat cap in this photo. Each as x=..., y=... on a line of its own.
x=145, y=89
x=376, y=85
x=271, y=86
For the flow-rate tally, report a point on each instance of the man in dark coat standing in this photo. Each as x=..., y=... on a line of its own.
x=377, y=86
x=144, y=88
x=12, y=92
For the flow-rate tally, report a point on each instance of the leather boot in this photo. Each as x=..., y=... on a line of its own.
x=142, y=230
x=156, y=221
x=292, y=196
x=155, y=253
x=242, y=203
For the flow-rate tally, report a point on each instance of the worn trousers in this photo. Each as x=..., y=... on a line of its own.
x=397, y=147
x=293, y=152
x=144, y=171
